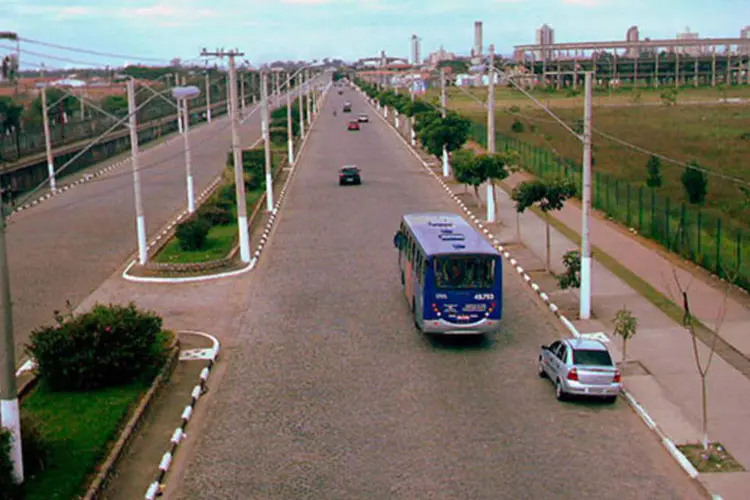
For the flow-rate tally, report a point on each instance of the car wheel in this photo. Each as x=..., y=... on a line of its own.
x=540, y=370
x=610, y=399
x=559, y=393
x=341, y=183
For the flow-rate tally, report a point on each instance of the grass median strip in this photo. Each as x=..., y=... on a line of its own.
x=79, y=428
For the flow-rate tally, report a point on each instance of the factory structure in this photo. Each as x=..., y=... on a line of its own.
x=686, y=59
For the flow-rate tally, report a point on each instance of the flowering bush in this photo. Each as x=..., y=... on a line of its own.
x=110, y=345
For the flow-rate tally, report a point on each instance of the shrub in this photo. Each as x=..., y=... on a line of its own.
x=255, y=180
x=517, y=126
x=8, y=489
x=192, y=233
x=107, y=346
x=653, y=172
x=35, y=447
x=227, y=194
x=215, y=215
x=225, y=200
x=695, y=183
x=278, y=135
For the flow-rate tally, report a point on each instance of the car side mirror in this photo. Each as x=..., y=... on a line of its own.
x=545, y=347
x=397, y=239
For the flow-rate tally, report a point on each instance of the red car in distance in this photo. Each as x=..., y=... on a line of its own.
x=353, y=125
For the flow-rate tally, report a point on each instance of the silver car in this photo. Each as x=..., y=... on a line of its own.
x=581, y=367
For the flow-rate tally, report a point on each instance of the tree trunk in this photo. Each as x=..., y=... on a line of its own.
x=518, y=226
x=704, y=395
x=549, y=245
x=476, y=195
x=624, y=351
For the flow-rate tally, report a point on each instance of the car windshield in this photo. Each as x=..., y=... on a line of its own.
x=461, y=272
x=591, y=357
x=350, y=170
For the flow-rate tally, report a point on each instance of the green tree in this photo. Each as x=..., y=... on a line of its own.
x=494, y=168
x=115, y=104
x=695, y=183
x=465, y=170
x=451, y=132
x=59, y=106
x=571, y=278
x=669, y=97
x=653, y=172
x=548, y=195
x=626, y=326
x=10, y=120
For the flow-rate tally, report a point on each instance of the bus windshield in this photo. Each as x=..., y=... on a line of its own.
x=464, y=272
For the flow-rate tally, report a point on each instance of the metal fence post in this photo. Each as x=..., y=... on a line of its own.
x=597, y=198
x=699, y=252
x=682, y=227
x=640, y=209
x=739, y=252
x=627, y=191
x=653, y=212
x=718, y=247
x=666, y=224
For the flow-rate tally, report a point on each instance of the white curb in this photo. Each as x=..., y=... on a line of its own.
x=155, y=488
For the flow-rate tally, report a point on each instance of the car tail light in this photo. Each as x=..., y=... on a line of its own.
x=573, y=375
x=618, y=376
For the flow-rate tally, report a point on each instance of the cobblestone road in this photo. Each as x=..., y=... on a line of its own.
x=329, y=392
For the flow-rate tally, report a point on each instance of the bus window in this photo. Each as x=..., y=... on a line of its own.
x=460, y=272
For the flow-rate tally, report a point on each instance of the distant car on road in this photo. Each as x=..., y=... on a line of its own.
x=349, y=174
x=341, y=92
x=580, y=367
x=347, y=107
x=363, y=118
x=353, y=125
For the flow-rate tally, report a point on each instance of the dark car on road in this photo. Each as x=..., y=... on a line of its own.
x=347, y=107
x=353, y=125
x=349, y=175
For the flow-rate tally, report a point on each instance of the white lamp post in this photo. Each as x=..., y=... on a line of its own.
x=182, y=95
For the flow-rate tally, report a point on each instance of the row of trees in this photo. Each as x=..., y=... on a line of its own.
x=694, y=179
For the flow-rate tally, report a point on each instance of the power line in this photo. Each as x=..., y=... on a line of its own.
x=56, y=58
x=87, y=51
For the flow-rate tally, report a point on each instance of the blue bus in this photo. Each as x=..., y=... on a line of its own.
x=452, y=277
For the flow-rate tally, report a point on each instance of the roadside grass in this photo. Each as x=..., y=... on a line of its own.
x=79, y=428
x=219, y=242
x=715, y=459
x=646, y=96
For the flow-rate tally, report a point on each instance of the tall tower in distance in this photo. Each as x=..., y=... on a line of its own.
x=416, y=57
x=545, y=36
x=632, y=36
x=477, y=39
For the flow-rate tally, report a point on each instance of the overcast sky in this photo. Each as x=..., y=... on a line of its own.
x=267, y=30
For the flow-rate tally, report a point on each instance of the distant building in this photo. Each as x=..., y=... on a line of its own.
x=544, y=36
x=693, y=50
x=441, y=55
x=632, y=36
x=745, y=33
x=477, y=39
x=415, y=55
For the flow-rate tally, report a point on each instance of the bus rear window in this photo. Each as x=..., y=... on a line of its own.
x=464, y=272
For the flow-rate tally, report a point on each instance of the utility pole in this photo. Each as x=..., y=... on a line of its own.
x=10, y=414
x=47, y=137
x=289, y=131
x=309, y=97
x=585, y=305
x=208, y=97
x=188, y=159
x=239, y=178
x=491, y=132
x=229, y=91
x=301, y=96
x=446, y=165
x=140, y=220
x=266, y=139
x=278, y=89
x=242, y=92
x=179, y=118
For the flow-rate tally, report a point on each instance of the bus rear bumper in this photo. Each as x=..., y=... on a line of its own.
x=440, y=326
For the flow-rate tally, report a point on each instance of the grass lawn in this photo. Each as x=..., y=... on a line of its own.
x=79, y=426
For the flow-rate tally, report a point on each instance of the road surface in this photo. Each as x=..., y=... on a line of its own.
x=329, y=392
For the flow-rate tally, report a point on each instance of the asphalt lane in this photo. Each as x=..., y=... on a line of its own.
x=64, y=248
x=329, y=391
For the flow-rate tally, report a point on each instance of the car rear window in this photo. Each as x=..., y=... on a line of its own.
x=591, y=357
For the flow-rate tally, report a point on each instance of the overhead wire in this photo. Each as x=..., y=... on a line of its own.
x=88, y=51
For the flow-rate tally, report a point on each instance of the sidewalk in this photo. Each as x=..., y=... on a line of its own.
x=662, y=373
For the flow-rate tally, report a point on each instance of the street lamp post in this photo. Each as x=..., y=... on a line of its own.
x=289, y=131
x=491, y=132
x=208, y=98
x=140, y=218
x=309, y=98
x=301, y=96
x=182, y=95
x=48, y=139
x=446, y=165
x=266, y=139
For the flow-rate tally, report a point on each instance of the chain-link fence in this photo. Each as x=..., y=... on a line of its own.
x=717, y=243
